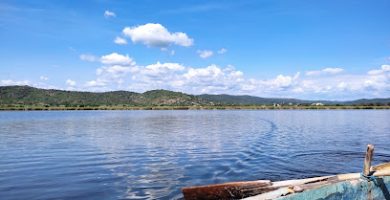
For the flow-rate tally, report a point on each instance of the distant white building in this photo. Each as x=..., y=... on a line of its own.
x=317, y=104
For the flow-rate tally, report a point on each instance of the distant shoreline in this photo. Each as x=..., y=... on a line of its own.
x=224, y=107
x=30, y=98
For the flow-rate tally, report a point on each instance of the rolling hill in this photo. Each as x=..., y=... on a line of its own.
x=26, y=95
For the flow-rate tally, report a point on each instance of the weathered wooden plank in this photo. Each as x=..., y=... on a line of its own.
x=368, y=159
x=232, y=190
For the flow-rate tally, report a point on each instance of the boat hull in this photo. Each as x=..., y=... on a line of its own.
x=353, y=189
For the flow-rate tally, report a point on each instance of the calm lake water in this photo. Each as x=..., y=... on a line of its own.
x=152, y=154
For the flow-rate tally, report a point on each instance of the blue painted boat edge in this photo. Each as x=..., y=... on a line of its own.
x=353, y=189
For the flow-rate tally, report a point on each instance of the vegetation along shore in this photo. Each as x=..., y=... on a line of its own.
x=30, y=98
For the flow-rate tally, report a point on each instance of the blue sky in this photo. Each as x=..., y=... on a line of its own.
x=272, y=48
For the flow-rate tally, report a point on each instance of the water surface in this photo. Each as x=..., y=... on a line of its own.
x=152, y=154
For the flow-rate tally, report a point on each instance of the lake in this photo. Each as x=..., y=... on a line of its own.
x=152, y=154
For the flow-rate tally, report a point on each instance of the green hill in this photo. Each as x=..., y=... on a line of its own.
x=25, y=95
x=14, y=96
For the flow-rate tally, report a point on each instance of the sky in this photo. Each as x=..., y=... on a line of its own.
x=322, y=49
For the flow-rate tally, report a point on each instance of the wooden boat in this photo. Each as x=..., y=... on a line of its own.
x=372, y=183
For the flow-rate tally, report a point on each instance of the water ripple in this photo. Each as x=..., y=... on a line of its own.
x=152, y=154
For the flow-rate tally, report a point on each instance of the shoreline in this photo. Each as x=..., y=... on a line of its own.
x=225, y=107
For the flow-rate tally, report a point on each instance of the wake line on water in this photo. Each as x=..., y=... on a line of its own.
x=253, y=151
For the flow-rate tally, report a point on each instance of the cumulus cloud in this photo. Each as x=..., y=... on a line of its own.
x=121, y=72
x=88, y=57
x=282, y=81
x=116, y=67
x=13, y=82
x=159, y=68
x=205, y=53
x=158, y=75
x=213, y=79
x=113, y=74
x=156, y=35
x=125, y=74
x=108, y=14
x=378, y=79
x=70, y=82
x=325, y=71
x=10, y=82
x=120, y=41
x=209, y=72
x=384, y=69
x=216, y=79
x=95, y=83
x=116, y=59
x=222, y=51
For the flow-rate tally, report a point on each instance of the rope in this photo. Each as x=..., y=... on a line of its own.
x=369, y=178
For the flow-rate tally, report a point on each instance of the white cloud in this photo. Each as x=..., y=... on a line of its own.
x=325, y=71
x=121, y=73
x=43, y=78
x=70, y=82
x=117, y=59
x=163, y=67
x=114, y=72
x=216, y=79
x=378, y=80
x=12, y=82
x=114, y=69
x=205, y=53
x=213, y=79
x=222, y=51
x=109, y=14
x=156, y=35
x=158, y=75
x=282, y=81
x=88, y=57
x=174, y=76
x=95, y=83
x=211, y=72
x=384, y=69
x=333, y=70
x=120, y=41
